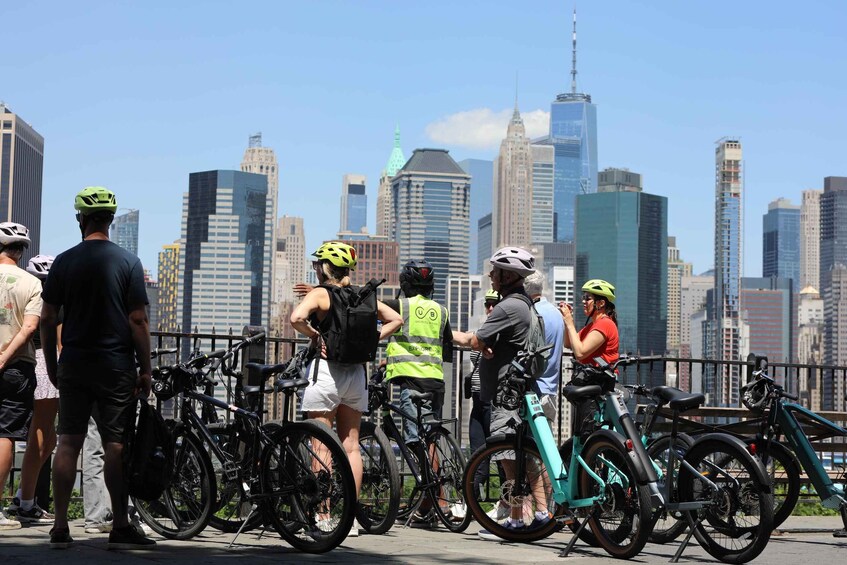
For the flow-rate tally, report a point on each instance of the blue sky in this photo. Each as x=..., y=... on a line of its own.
x=135, y=96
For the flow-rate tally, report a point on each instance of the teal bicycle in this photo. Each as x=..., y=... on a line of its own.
x=518, y=487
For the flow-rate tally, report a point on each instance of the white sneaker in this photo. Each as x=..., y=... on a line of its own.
x=458, y=510
x=354, y=530
x=498, y=513
x=8, y=523
x=488, y=536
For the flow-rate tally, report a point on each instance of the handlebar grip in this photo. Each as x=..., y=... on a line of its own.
x=790, y=396
x=256, y=338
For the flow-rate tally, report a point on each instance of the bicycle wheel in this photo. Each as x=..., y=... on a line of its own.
x=410, y=481
x=448, y=466
x=736, y=524
x=307, y=486
x=669, y=525
x=504, y=494
x=379, y=496
x=782, y=467
x=232, y=506
x=623, y=520
x=184, y=509
x=565, y=451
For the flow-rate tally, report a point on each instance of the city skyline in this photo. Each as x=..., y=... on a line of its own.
x=678, y=53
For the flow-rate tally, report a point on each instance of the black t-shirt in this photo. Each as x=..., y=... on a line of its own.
x=97, y=283
x=426, y=385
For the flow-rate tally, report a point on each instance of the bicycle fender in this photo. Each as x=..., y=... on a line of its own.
x=641, y=474
x=761, y=474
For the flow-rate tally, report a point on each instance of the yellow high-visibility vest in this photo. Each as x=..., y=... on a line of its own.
x=415, y=350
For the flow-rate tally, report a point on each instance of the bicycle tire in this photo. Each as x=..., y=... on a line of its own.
x=448, y=499
x=185, y=507
x=668, y=527
x=627, y=501
x=489, y=496
x=410, y=491
x=780, y=457
x=379, y=495
x=844, y=516
x=585, y=535
x=307, y=486
x=718, y=524
x=233, y=505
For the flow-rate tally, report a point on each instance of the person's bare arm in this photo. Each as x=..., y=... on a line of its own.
x=140, y=328
x=391, y=320
x=49, y=339
x=21, y=338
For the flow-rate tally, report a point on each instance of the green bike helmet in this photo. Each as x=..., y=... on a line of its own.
x=599, y=287
x=492, y=295
x=337, y=253
x=93, y=199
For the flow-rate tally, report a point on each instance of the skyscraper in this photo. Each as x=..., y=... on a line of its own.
x=168, y=272
x=485, y=248
x=354, y=204
x=721, y=386
x=833, y=281
x=482, y=189
x=543, y=161
x=289, y=269
x=124, y=231
x=377, y=258
x=21, y=169
x=629, y=253
x=692, y=315
x=677, y=269
x=810, y=239
x=383, y=199
x=781, y=241
x=431, y=200
x=769, y=309
x=224, y=256
x=262, y=160
x=573, y=135
x=512, y=212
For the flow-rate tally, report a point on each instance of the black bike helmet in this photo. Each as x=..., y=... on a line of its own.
x=417, y=277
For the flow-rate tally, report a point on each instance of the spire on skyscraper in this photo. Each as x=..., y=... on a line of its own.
x=573, y=63
x=396, y=160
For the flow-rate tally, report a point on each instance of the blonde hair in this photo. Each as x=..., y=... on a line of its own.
x=336, y=275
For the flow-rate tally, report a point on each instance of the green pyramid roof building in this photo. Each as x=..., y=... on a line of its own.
x=396, y=160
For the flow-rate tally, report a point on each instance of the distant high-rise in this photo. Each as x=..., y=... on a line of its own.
x=354, y=204
x=573, y=135
x=377, y=258
x=485, y=248
x=628, y=252
x=224, y=257
x=781, y=241
x=543, y=161
x=810, y=345
x=677, y=269
x=769, y=310
x=168, y=272
x=482, y=193
x=431, y=200
x=563, y=288
x=692, y=298
x=512, y=212
x=262, y=160
x=289, y=269
x=21, y=169
x=124, y=231
x=810, y=239
x=833, y=281
x=725, y=322
x=383, y=198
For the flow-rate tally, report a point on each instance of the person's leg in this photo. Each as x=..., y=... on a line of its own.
x=39, y=446
x=113, y=472
x=64, y=475
x=348, y=421
x=410, y=427
x=6, y=459
x=96, y=504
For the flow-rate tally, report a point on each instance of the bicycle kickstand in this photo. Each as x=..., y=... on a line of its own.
x=575, y=537
x=684, y=544
x=243, y=524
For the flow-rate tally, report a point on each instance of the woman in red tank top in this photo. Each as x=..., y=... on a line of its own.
x=599, y=337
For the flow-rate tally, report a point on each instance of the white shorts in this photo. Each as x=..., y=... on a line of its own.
x=336, y=384
x=44, y=388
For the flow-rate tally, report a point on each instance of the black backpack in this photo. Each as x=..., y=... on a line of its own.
x=351, y=334
x=148, y=455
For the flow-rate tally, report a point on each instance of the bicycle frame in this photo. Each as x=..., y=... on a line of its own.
x=783, y=415
x=423, y=478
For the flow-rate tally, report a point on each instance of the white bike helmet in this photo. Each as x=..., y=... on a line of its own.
x=11, y=233
x=40, y=265
x=514, y=259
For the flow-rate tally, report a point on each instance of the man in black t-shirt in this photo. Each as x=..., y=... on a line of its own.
x=100, y=288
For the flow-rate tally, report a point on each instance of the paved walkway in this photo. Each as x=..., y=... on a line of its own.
x=805, y=540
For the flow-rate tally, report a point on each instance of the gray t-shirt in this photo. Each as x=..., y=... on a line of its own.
x=504, y=331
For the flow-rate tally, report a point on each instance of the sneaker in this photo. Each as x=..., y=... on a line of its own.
x=842, y=533
x=488, y=536
x=129, y=537
x=35, y=515
x=60, y=539
x=145, y=529
x=354, y=529
x=8, y=522
x=12, y=509
x=98, y=528
x=458, y=511
x=498, y=513
x=539, y=522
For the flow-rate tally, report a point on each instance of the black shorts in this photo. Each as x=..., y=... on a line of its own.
x=17, y=387
x=83, y=386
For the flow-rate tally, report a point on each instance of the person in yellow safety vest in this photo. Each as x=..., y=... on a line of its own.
x=416, y=352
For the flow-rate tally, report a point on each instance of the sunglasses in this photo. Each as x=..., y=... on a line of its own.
x=587, y=298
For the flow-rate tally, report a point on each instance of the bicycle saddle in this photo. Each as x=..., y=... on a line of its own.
x=576, y=393
x=677, y=399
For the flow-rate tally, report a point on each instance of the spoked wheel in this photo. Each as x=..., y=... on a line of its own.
x=622, y=522
x=410, y=492
x=736, y=524
x=502, y=493
x=233, y=506
x=379, y=497
x=669, y=525
x=307, y=486
x=782, y=467
x=565, y=451
x=184, y=509
x=448, y=466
